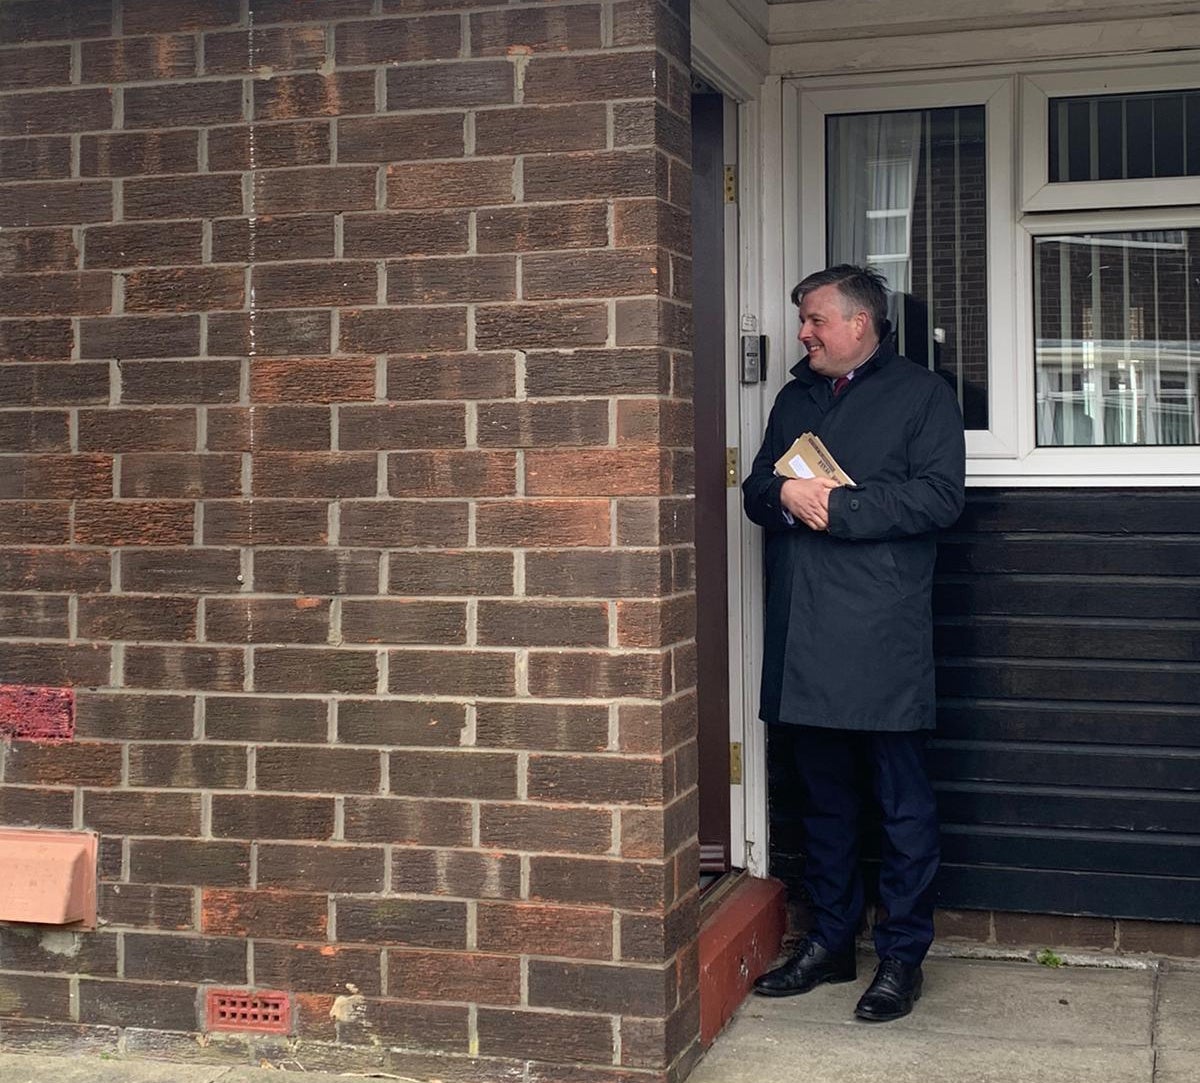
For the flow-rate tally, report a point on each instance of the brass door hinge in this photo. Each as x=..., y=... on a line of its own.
x=735, y=763
x=731, y=184
x=731, y=467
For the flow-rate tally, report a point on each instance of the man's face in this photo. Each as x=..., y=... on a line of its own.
x=835, y=342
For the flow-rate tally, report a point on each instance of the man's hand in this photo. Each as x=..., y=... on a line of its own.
x=808, y=500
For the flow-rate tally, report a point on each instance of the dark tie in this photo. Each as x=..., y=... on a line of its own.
x=839, y=385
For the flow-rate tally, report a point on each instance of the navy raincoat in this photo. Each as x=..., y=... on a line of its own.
x=848, y=641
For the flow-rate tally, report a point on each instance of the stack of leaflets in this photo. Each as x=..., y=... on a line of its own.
x=809, y=458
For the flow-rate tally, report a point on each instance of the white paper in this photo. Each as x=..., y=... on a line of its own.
x=800, y=467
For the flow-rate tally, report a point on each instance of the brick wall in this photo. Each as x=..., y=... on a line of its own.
x=345, y=419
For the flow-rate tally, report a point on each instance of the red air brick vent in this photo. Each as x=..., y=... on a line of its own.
x=266, y=1013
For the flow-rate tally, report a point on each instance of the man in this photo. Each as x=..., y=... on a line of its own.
x=848, y=658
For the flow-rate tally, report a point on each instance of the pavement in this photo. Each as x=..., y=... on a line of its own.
x=1115, y=1020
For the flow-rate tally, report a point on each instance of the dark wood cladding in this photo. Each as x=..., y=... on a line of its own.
x=1067, y=756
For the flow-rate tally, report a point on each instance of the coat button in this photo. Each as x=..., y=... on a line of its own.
x=854, y=505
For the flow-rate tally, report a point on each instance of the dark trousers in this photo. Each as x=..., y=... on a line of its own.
x=835, y=768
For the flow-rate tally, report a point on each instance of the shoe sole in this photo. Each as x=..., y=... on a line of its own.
x=869, y=1017
x=806, y=989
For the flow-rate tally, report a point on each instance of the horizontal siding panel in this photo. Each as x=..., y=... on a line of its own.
x=1080, y=511
x=1129, y=724
x=1132, y=682
x=1076, y=554
x=1066, y=596
x=1000, y=637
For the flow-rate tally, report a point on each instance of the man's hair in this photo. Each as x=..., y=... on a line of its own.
x=862, y=288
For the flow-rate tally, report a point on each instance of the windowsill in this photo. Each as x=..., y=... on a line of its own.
x=1133, y=467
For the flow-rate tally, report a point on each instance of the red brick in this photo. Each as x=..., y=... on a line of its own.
x=269, y=146
x=594, y=175
x=452, y=672
x=573, y=727
x=399, y=234
x=316, y=571
x=451, y=473
x=175, y=476
x=29, y=251
x=268, y=914
x=36, y=340
x=545, y=1036
x=82, y=763
x=400, y=723
x=148, y=16
x=143, y=244
x=141, y=812
x=38, y=522
x=516, y=624
x=274, y=333
x=475, y=977
x=397, y=41
x=266, y=522
x=285, y=285
x=543, y=523
x=595, y=472
x=465, y=873
x=500, y=33
x=120, y=60
x=540, y=829
x=189, y=861
x=348, y=188
x=602, y=77
x=533, y=424
x=46, y=477
x=181, y=571
x=321, y=868
x=453, y=377
x=593, y=274
x=462, y=574
x=414, y=823
x=190, y=766
x=311, y=474
x=469, y=279
x=258, y=816
x=525, y=929
x=266, y=620
x=32, y=67
x=86, y=293
x=258, y=240
x=177, y=105
x=386, y=427
x=450, y=184
x=400, y=138
x=206, y=196
x=388, y=620
x=527, y=229
x=56, y=111
x=137, y=618
x=538, y=130
x=594, y=675
x=388, y=330
x=260, y=718
x=286, y=97
x=127, y=337
x=190, y=289
x=300, y=669
x=38, y=158
x=185, y=382
x=526, y=326
x=402, y=524
x=312, y=380
x=215, y=669
x=277, y=49
x=34, y=431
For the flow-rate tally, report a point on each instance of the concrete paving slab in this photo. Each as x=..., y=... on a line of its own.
x=1178, y=1024
x=1176, y=1066
x=24, y=1068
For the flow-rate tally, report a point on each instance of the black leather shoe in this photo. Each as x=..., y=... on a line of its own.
x=892, y=993
x=810, y=965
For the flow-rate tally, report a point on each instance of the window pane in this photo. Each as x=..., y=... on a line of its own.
x=1117, y=318
x=1125, y=136
x=907, y=195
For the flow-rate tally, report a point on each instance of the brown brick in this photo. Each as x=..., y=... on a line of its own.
x=274, y=146
x=36, y=522
x=267, y=237
x=36, y=616
x=626, y=885
x=550, y=624
x=418, y=922
x=284, y=285
x=288, y=11
x=268, y=914
x=349, y=188
x=318, y=770
x=54, y=569
x=660, y=423
x=39, y=158
x=451, y=376
x=278, y=333
x=314, y=670
x=654, y=522
x=156, y=1005
x=393, y=524
x=193, y=477
x=133, y=522
x=316, y=967
x=520, y=928
x=187, y=571
x=1052, y=930
x=652, y=937
x=534, y=424
x=52, y=384
x=463, y=280
x=532, y=829
x=400, y=234
x=596, y=779
x=148, y=16
x=36, y=340
x=30, y=251
x=386, y=427
x=126, y=337
x=260, y=718
x=270, y=428
x=388, y=620
x=551, y=726
x=398, y=41
x=30, y=68
x=87, y=293
x=656, y=623
x=427, y=1027
x=597, y=675
x=118, y=430
x=400, y=138
x=35, y=431
x=189, y=289
x=500, y=33
x=205, y=196
x=265, y=522
x=289, y=96
x=55, y=19
x=315, y=571
x=119, y=715
x=144, y=244
x=1161, y=938
x=475, y=977
x=189, y=861
x=545, y=1036
x=193, y=766
x=461, y=773
x=452, y=673
x=56, y=111
x=537, y=130
x=321, y=868
x=146, y=906
x=120, y=60
x=595, y=987
x=48, y=477
x=603, y=77
x=602, y=472
x=450, y=184
x=638, y=222
x=400, y=723
x=255, y=816
x=39, y=996
x=177, y=105
x=311, y=474
x=593, y=274
x=594, y=175
x=206, y=668
x=141, y=812
x=82, y=763
x=649, y=123
x=312, y=380
x=278, y=49
x=185, y=958
x=467, y=874
x=451, y=473
x=528, y=326
x=527, y=229
x=384, y=330
x=450, y=85
x=413, y=823
x=266, y=620
x=666, y=24
x=462, y=574
x=134, y=617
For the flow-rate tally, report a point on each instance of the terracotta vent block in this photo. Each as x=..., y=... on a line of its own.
x=33, y=714
x=49, y=877
x=264, y=1013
